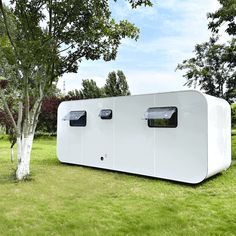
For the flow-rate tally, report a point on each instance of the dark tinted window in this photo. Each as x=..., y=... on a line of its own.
x=163, y=117
x=78, y=118
x=106, y=114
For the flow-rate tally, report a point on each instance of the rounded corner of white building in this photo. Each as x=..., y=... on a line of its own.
x=61, y=105
x=219, y=135
x=198, y=180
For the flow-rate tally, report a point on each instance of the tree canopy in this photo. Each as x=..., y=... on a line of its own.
x=213, y=68
x=90, y=89
x=224, y=15
x=40, y=40
x=116, y=84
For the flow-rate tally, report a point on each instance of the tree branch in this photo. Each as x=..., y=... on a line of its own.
x=50, y=18
x=20, y=115
x=26, y=105
x=7, y=28
x=8, y=110
x=63, y=50
x=36, y=110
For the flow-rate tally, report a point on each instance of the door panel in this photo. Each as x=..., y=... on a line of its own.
x=98, y=136
x=182, y=151
x=134, y=140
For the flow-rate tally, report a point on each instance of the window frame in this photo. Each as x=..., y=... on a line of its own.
x=70, y=121
x=106, y=118
x=164, y=126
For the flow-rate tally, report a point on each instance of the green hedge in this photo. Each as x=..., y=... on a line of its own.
x=233, y=109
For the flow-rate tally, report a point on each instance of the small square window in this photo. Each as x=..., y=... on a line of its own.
x=78, y=118
x=106, y=114
x=162, y=117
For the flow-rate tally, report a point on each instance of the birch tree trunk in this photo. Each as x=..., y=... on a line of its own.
x=25, y=139
x=25, y=130
x=24, y=147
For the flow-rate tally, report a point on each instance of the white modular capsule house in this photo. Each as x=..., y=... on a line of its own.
x=183, y=136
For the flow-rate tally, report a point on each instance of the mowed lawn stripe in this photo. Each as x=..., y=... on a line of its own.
x=63, y=199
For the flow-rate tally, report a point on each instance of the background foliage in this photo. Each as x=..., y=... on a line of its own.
x=213, y=68
x=116, y=85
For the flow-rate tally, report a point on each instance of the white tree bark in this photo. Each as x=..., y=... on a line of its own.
x=24, y=130
x=24, y=147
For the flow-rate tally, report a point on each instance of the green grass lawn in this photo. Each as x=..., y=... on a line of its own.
x=71, y=200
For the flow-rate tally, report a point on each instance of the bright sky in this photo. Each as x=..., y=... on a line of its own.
x=168, y=32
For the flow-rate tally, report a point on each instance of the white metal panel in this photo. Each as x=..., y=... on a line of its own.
x=134, y=142
x=69, y=139
x=182, y=151
x=219, y=139
x=98, y=136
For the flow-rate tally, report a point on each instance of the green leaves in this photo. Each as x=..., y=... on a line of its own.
x=137, y=3
x=6, y=50
x=116, y=85
x=42, y=40
x=225, y=15
x=90, y=90
x=212, y=69
x=233, y=112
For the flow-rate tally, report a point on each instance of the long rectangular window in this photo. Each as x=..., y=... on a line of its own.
x=162, y=117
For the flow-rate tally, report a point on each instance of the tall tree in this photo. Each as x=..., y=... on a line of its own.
x=73, y=95
x=40, y=40
x=90, y=89
x=116, y=85
x=213, y=67
x=224, y=15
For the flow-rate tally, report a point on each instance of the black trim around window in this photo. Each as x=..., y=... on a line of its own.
x=162, y=117
x=78, y=118
x=106, y=114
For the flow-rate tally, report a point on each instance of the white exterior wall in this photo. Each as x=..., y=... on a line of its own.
x=184, y=153
x=219, y=135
